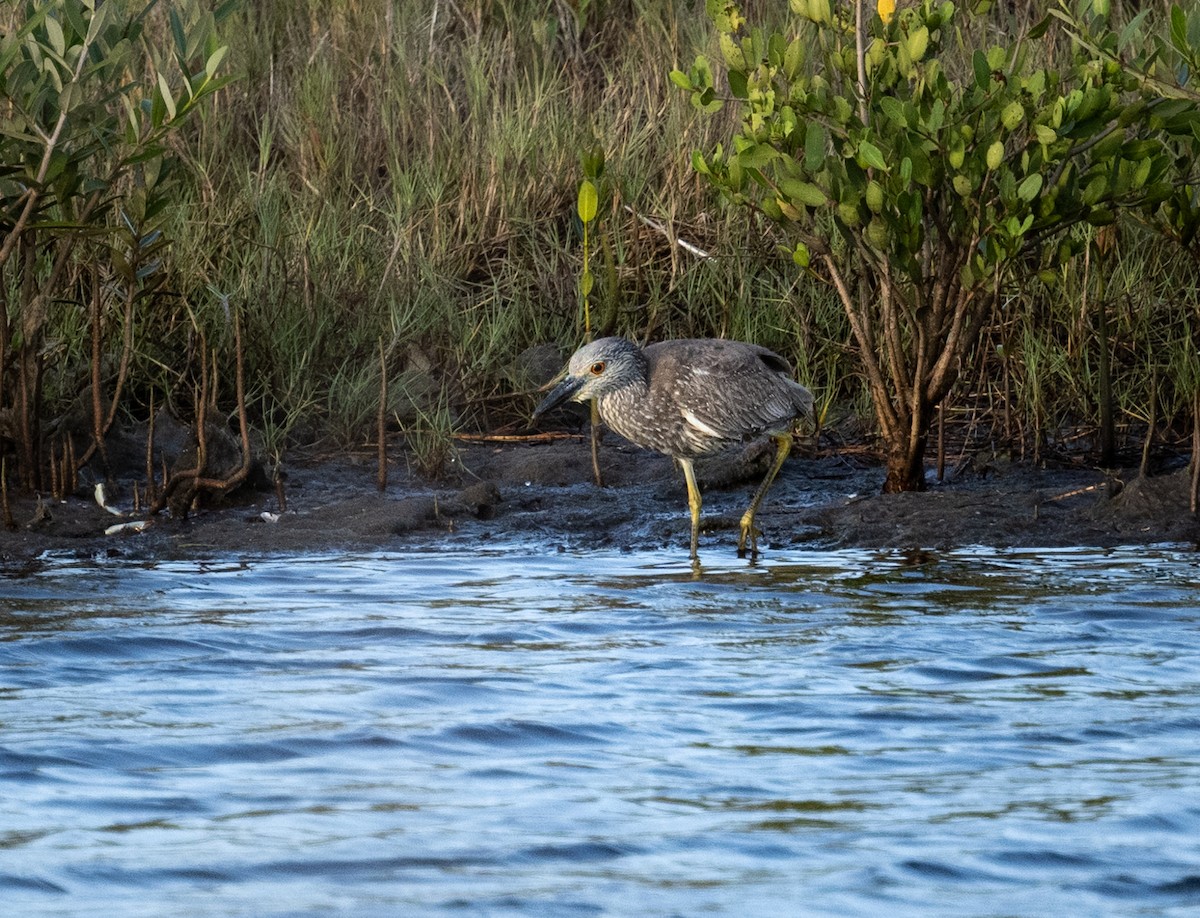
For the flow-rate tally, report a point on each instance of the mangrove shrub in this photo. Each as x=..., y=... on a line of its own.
x=919, y=171
x=88, y=97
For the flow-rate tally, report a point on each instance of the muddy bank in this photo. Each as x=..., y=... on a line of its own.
x=543, y=492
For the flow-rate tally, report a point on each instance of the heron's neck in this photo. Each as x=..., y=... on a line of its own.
x=619, y=405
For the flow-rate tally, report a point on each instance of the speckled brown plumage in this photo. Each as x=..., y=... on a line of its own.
x=689, y=399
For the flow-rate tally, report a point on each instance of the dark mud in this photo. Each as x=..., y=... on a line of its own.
x=543, y=493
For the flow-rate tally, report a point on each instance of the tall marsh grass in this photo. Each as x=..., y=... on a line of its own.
x=405, y=174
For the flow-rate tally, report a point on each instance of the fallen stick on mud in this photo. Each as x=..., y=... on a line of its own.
x=517, y=438
x=1075, y=492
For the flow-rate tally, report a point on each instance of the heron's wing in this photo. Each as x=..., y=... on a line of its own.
x=727, y=389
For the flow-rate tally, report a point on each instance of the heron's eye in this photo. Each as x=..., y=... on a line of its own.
x=597, y=367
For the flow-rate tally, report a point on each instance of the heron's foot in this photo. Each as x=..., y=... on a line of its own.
x=750, y=533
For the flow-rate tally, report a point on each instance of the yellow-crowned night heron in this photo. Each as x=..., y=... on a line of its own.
x=690, y=399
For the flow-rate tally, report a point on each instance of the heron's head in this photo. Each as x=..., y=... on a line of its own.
x=595, y=370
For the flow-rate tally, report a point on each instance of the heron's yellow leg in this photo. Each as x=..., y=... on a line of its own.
x=783, y=446
x=689, y=475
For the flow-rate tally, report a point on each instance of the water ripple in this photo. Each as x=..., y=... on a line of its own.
x=973, y=732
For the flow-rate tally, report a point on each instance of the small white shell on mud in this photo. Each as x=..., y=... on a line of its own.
x=135, y=526
x=268, y=517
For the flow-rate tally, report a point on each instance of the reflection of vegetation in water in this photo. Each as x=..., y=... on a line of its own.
x=408, y=173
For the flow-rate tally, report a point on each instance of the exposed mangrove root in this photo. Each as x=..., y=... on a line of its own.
x=70, y=465
x=102, y=421
x=64, y=477
x=98, y=430
x=941, y=440
x=381, y=474
x=56, y=489
x=545, y=437
x=151, y=484
x=191, y=482
x=1151, y=420
x=1194, y=495
x=9, y=523
x=280, y=493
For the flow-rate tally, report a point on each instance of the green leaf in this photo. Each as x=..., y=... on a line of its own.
x=99, y=15
x=894, y=109
x=1132, y=30
x=793, y=59
x=937, y=116
x=957, y=154
x=1030, y=187
x=51, y=71
x=724, y=16
x=1040, y=29
x=757, y=155
x=682, y=80
x=1045, y=135
x=214, y=61
x=995, y=154
x=874, y=196
x=922, y=167
x=592, y=162
x=918, y=43
x=983, y=72
x=706, y=101
x=816, y=145
x=167, y=99
x=773, y=209
x=804, y=193
x=877, y=233
x=801, y=255
x=1140, y=149
x=7, y=129
x=588, y=202
x=1142, y=172
x=177, y=31
x=1012, y=115
x=9, y=48
x=732, y=52
x=74, y=20
x=71, y=96
x=54, y=33
x=871, y=156
x=1179, y=30
x=1095, y=189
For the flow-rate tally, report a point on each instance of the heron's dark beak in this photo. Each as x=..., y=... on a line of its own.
x=559, y=394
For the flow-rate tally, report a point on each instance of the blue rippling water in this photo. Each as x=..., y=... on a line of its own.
x=514, y=733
